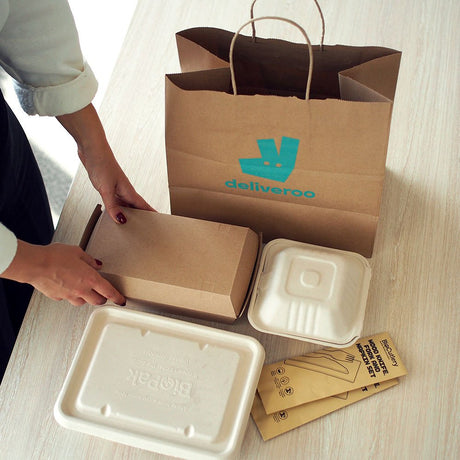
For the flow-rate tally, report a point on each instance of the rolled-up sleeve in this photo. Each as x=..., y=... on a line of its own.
x=39, y=48
x=8, y=247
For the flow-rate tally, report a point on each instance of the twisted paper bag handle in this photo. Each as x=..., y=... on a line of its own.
x=276, y=18
x=323, y=24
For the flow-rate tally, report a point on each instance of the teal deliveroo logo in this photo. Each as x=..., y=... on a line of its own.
x=271, y=165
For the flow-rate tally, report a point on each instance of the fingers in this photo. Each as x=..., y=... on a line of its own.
x=139, y=203
x=94, y=298
x=64, y=272
x=77, y=301
x=124, y=196
x=115, y=211
x=105, y=290
x=100, y=289
x=101, y=292
x=94, y=263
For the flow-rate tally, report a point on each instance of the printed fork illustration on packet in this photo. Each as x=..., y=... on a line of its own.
x=336, y=363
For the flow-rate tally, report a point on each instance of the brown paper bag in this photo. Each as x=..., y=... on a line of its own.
x=303, y=165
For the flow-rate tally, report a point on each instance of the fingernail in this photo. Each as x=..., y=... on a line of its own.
x=121, y=218
x=98, y=261
x=122, y=304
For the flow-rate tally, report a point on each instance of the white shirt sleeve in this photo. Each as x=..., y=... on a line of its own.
x=8, y=247
x=39, y=48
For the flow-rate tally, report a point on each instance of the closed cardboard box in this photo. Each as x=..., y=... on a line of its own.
x=193, y=266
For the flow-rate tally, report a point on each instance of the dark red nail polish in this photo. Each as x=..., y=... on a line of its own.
x=98, y=261
x=121, y=218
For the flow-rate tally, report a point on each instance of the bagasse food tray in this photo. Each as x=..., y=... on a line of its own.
x=161, y=384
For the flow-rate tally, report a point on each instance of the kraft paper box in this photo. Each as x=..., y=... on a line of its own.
x=191, y=266
x=328, y=372
x=280, y=422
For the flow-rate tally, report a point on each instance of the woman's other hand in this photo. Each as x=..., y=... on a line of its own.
x=62, y=272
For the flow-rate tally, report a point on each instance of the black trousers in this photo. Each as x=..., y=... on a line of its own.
x=25, y=210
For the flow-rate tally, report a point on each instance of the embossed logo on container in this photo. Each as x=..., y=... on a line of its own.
x=162, y=383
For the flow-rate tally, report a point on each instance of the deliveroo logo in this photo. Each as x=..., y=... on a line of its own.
x=272, y=165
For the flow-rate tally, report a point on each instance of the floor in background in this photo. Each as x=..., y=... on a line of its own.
x=102, y=26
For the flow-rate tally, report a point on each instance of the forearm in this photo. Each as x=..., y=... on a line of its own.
x=86, y=128
x=93, y=148
x=99, y=161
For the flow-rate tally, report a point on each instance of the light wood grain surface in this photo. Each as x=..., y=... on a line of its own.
x=414, y=292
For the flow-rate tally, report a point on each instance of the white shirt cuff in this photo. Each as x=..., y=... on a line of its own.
x=60, y=99
x=8, y=247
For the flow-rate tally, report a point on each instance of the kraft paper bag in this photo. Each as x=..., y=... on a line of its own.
x=266, y=152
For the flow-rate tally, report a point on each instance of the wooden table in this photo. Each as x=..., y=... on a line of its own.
x=414, y=290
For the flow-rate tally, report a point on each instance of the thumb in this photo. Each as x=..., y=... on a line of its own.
x=114, y=210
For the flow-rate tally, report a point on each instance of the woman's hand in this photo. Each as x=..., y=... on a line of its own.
x=111, y=182
x=99, y=161
x=66, y=272
x=62, y=272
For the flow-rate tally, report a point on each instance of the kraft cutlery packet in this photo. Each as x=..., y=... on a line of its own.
x=328, y=372
x=271, y=425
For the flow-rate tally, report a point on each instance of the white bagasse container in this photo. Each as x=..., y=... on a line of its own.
x=161, y=384
x=310, y=293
